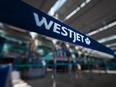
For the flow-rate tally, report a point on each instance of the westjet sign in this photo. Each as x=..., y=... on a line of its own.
x=20, y=14
x=61, y=30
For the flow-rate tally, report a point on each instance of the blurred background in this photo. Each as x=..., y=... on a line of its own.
x=39, y=61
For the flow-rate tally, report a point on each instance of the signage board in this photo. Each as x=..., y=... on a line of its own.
x=22, y=15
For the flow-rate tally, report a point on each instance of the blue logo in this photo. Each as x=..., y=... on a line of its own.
x=87, y=41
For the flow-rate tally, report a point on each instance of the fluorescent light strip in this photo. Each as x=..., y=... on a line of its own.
x=76, y=10
x=109, y=45
x=71, y=14
x=56, y=7
x=87, y=1
x=102, y=28
x=83, y=4
x=107, y=39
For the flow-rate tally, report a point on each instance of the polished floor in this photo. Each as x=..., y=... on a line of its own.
x=71, y=79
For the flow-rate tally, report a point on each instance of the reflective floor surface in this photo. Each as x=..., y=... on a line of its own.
x=82, y=79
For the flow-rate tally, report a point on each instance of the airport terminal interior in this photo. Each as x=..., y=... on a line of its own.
x=30, y=59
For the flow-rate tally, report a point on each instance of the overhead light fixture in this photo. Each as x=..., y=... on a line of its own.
x=107, y=39
x=71, y=14
x=76, y=10
x=83, y=4
x=87, y=1
x=56, y=7
x=102, y=28
x=110, y=45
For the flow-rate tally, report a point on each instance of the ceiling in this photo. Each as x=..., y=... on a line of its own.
x=94, y=15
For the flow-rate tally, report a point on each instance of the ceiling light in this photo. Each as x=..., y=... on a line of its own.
x=107, y=39
x=102, y=28
x=109, y=45
x=56, y=7
x=93, y=32
x=112, y=24
x=70, y=15
x=51, y=12
x=87, y=1
x=83, y=4
x=76, y=10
